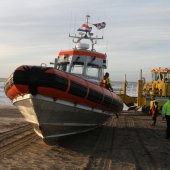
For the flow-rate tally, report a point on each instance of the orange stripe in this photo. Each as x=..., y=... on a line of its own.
x=18, y=90
x=161, y=70
x=83, y=53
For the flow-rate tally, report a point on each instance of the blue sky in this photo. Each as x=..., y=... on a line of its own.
x=137, y=33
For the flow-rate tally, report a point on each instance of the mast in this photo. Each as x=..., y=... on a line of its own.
x=87, y=16
x=86, y=35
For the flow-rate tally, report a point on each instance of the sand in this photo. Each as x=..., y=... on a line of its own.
x=125, y=143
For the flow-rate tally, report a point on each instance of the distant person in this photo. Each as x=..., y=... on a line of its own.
x=153, y=110
x=106, y=82
x=166, y=114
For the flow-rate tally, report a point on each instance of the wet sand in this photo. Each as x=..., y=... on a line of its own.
x=124, y=143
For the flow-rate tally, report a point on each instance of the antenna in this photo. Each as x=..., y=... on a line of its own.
x=86, y=35
x=87, y=16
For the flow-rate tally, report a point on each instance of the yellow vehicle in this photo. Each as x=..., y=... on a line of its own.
x=159, y=86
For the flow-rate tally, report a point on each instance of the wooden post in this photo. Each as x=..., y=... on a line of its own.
x=140, y=88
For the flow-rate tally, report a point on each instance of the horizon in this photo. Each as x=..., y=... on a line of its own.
x=3, y=79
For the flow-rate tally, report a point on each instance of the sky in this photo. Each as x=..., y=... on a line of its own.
x=136, y=36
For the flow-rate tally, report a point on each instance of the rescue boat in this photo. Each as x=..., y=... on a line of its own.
x=68, y=98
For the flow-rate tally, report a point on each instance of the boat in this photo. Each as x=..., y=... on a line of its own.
x=68, y=98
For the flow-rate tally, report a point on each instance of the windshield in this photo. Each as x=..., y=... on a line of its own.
x=161, y=76
x=63, y=67
x=92, y=71
x=167, y=76
x=155, y=76
x=77, y=68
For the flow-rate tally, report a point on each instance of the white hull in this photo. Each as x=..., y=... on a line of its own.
x=53, y=119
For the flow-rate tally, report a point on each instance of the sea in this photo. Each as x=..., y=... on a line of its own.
x=117, y=86
x=3, y=99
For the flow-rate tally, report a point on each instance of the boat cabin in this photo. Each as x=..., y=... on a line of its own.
x=82, y=62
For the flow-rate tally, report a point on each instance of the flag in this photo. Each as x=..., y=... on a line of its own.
x=100, y=25
x=85, y=28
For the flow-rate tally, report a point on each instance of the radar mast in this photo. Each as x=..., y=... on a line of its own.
x=85, y=34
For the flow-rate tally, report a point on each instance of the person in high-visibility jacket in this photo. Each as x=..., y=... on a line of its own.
x=153, y=110
x=166, y=114
x=106, y=82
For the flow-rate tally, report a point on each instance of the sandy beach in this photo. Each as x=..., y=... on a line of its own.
x=126, y=142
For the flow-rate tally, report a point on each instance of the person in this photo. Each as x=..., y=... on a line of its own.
x=166, y=114
x=106, y=82
x=153, y=110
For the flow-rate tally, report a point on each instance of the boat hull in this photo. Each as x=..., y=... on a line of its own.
x=53, y=119
x=58, y=103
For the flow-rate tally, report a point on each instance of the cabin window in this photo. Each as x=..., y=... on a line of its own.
x=155, y=76
x=92, y=71
x=63, y=67
x=77, y=68
x=166, y=76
